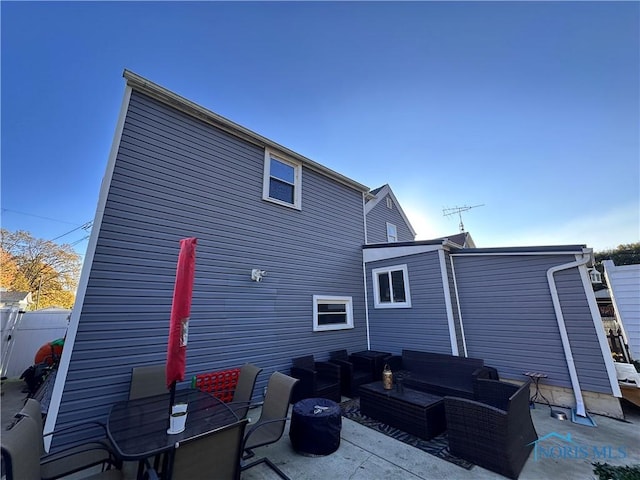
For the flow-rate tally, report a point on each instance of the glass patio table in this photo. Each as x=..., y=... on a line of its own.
x=138, y=428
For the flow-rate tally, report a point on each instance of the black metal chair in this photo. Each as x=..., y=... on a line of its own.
x=354, y=371
x=242, y=395
x=214, y=454
x=147, y=381
x=21, y=448
x=495, y=431
x=317, y=379
x=273, y=418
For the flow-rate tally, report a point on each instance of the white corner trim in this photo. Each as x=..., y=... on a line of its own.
x=63, y=369
x=602, y=339
x=447, y=302
x=455, y=287
x=385, y=253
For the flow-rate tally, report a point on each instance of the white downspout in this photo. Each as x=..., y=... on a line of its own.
x=573, y=374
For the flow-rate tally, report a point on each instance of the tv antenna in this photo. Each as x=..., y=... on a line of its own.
x=452, y=211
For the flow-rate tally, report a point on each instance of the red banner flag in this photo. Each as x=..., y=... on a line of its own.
x=180, y=311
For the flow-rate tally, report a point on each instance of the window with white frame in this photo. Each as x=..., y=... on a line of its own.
x=391, y=287
x=389, y=203
x=332, y=313
x=282, y=180
x=392, y=233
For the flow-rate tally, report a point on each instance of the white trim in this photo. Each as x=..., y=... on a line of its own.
x=455, y=287
x=63, y=368
x=447, y=302
x=348, y=303
x=385, y=253
x=364, y=276
x=297, y=179
x=493, y=254
x=382, y=193
x=376, y=289
x=564, y=336
x=600, y=333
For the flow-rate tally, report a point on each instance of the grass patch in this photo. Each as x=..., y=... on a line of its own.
x=604, y=471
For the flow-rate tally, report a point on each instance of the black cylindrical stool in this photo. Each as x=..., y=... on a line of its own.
x=315, y=426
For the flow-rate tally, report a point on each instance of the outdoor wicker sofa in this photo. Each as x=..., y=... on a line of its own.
x=495, y=431
x=440, y=374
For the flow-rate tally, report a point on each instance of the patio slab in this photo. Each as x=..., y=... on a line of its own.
x=365, y=454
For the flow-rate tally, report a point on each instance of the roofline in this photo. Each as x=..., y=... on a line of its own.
x=545, y=249
x=375, y=198
x=408, y=244
x=172, y=99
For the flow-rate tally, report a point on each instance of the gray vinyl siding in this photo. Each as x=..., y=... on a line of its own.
x=178, y=177
x=377, y=219
x=424, y=326
x=510, y=322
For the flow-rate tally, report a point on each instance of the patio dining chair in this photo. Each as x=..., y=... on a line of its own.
x=20, y=448
x=70, y=459
x=242, y=395
x=273, y=418
x=214, y=454
x=147, y=381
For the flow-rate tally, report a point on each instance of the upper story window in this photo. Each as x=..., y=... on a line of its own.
x=332, y=313
x=392, y=232
x=282, y=180
x=391, y=287
x=389, y=203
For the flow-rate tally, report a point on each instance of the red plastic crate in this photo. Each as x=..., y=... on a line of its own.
x=220, y=384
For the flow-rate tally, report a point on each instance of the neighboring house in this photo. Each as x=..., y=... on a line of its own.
x=624, y=287
x=21, y=300
x=386, y=221
x=177, y=170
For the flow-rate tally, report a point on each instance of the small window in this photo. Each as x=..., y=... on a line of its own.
x=391, y=287
x=282, y=181
x=389, y=203
x=332, y=313
x=392, y=233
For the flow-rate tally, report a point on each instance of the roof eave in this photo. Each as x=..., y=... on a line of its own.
x=168, y=97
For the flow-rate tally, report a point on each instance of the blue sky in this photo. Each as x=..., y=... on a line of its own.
x=529, y=108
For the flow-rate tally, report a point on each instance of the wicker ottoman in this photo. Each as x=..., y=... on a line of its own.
x=315, y=426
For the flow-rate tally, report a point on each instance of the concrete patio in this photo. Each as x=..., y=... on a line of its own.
x=366, y=454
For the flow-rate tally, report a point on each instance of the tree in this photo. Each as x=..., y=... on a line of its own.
x=46, y=269
x=626, y=254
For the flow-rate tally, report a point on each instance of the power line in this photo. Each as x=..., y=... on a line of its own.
x=86, y=227
x=38, y=216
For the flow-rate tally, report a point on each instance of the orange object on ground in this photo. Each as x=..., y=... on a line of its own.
x=220, y=384
x=49, y=353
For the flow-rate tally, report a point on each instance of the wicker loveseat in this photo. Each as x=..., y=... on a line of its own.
x=495, y=431
x=438, y=373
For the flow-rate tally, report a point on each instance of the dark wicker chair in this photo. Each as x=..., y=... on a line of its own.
x=354, y=371
x=494, y=431
x=317, y=379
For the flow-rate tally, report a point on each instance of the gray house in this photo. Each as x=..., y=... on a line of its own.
x=342, y=269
